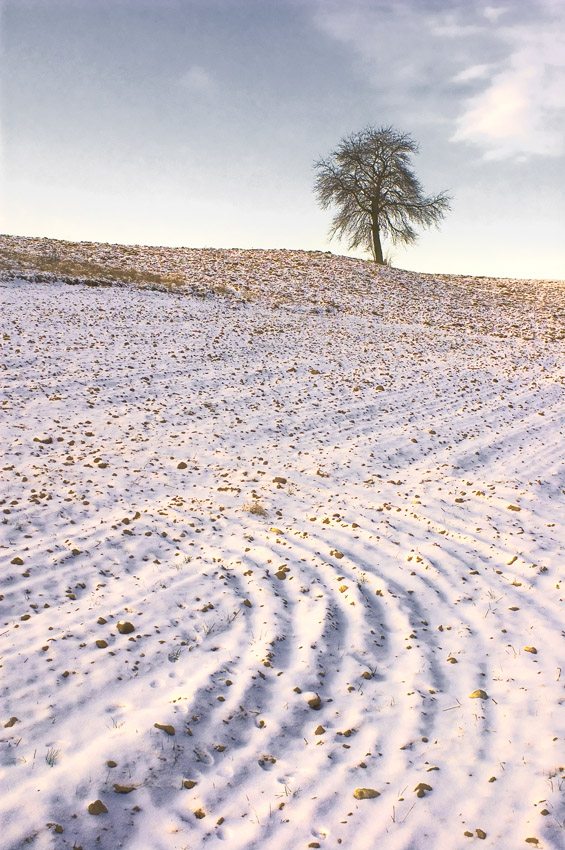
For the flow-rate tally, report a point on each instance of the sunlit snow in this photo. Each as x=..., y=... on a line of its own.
x=329, y=500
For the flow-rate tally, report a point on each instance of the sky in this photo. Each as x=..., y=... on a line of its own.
x=197, y=122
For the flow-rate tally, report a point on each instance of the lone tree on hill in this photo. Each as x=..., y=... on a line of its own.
x=370, y=179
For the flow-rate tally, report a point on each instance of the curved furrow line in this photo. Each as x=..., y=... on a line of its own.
x=299, y=716
x=269, y=630
x=474, y=631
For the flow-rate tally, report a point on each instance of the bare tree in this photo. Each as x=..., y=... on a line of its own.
x=369, y=178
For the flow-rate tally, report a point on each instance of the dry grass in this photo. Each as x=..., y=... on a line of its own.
x=84, y=270
x=255, y=508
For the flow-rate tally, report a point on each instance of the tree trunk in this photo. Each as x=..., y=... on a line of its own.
x=377, y=248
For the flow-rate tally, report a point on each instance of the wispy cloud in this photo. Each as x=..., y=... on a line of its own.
x=198, y=81
x=493, y=13
x=391, y=52
x=473, y=72
x=449, y=25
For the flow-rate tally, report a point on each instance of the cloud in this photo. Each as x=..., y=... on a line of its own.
x=391, y=53
x=198, y=81
x=493, y=13
x=521, y=111
x=474, y=72
x=450, y=27
x=496, y=74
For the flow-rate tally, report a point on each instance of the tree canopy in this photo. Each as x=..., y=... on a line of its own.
x=369, y=177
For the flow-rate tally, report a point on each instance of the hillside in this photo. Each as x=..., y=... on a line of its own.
x=309, y=280
x=282, y=552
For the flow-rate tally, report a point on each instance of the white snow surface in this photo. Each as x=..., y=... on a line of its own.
x=368, y=510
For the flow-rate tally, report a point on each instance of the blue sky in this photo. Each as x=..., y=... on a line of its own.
x=196, y=122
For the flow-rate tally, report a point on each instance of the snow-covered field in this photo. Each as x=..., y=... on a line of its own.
x=263, y=549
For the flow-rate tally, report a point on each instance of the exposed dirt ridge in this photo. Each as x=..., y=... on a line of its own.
x=308, y=279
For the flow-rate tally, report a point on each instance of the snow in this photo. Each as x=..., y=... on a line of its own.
x=328, y=483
